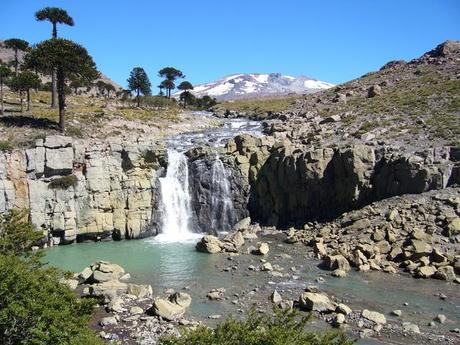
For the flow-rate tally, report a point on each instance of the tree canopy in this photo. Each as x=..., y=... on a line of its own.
x=170, y=74
x=185, y=86
x=23, y=82
x=4, y=74
x=70, y=60
x=139, y=82
x=16, y=44
x=54, y=15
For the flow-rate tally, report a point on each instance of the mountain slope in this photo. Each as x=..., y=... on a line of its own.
x=258, y=85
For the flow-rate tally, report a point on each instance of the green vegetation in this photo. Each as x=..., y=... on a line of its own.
x=139, y=82
x=23, y=82
x=170, y=74
x=185, y=86
x=5, y=145
x=284, y=328
x=70, y=60
x=35, y=307
x=16, y=44
x=63, y=182
x=4, y=74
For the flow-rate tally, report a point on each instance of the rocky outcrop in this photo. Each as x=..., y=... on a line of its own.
x=83, y=189
x=291, y=186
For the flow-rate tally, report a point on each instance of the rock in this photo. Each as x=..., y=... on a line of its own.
x=320, y=249
x=339, y=273
x=374, y=316
x=105, y=271
x=108, y=321
x=109, y=290
x=315, y=302
x=396, y=312
x=445, y=273
x=374, y=90
x=420, y=249
x=140, y=291
x=236, y=239
x=181, y=298
x=267, y=267
x=425, y=271
x=216, y=294
x=135, y=310
x=339, y=319
x=262, y=249
x=334, y=262
x=84, y=275
x=275, y=297
x=116, y=305
x=410, y=327
x=440, y=318
x=453, y=228
x=166, y=309
x=243, y=224
x=343, y=309
x=209, y=244
x=333, y=118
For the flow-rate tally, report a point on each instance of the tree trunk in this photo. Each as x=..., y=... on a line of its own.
x=22, y=105
x=138, y=99
x=54, y=34
x=1, y=97
x=28, y=99
x=53, y=89
x=185, y=99
x=61, y=97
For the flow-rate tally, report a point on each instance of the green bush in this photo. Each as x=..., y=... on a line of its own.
x=284, y=328
x=63, y=182
x=5, y=145
x=35, y=308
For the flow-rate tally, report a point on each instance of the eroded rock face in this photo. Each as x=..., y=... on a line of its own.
x=111, y=193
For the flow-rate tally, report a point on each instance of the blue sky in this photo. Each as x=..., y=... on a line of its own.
x=334, y=40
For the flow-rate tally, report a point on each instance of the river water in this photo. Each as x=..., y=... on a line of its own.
x=170, y=260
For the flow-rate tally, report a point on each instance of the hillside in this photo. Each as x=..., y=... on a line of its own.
x=238, y=86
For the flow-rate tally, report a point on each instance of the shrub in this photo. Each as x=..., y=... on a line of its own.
x=35, y=308
x=63, y=182
x=5, y=145
x=284, y=328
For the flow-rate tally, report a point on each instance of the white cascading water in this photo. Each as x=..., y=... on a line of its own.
x=222, y=211
x=175, y=200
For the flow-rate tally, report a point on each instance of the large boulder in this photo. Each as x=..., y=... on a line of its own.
x=167, y=310
x=108, y=290
x=181, y=298
x=336, y=262
x=316, y=302
x=104, y=271
x=140, y=291
x=209, y=244
x=374, y=316
x=262, y=249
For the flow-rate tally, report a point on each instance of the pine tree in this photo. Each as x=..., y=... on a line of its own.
x=139, y=82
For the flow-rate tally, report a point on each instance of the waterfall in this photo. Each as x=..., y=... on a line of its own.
x=222, y=211
x=175, y=208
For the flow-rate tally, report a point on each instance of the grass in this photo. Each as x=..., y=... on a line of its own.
x=5, y=145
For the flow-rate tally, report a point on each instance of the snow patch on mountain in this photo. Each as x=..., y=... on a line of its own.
x=258, y=85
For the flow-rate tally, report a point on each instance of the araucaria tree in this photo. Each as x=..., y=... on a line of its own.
x=23, y=82
x=171, y=74
x=4, y=74
x=139, y=82
x=55, y=16
x=70, y=60
x=16, y=44
x=185, y=86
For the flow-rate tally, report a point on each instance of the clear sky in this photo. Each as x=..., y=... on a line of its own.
x=330, y=40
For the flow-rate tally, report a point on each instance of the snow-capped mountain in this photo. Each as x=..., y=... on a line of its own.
x=259, y=85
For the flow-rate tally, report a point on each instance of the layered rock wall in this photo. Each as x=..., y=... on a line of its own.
x=77, y=190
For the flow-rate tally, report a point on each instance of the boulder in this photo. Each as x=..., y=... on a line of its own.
x=374, y=316
x=166, y=309
x=140, y=291
x=262, y=249
x=243, y=224
x=425, y=271
x=108, y=290
x=334, y=262
x=209, y=244
x=216, y=294
x=374, y=90
x=410, y=327
x=267, y=267
x=311, y=301
x=104, y=271
x=343, y=309
x=275, y=297
x=236, y=239
x=108, y=321
x=445, y=273
x=181, y=299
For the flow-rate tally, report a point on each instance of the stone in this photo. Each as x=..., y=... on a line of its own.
x=374, y=90
x=420, y=249
x=209, y=244
x=135, y=310
x=410, y=328
x=267, y=267
x=440, y=318
x=57, y=141
x=338, y=273
x=333, y=262
x=105, y=271
x=396, y=312
x=320, y=249
x=181, y=298
x=71, y=283
x=339, y=319
x=275, y=297
x=343, y=309
x=59, y=161
x=108, y=321
x=85, y=274
x=243, y=224
x=425, y=271
x=140, y=291
x=109, y=289
x=166, y=309
x=236, y=239
x=374, y=316
x=445, y=273
x=216, y=294
x=262, y=249
x=315, y=302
